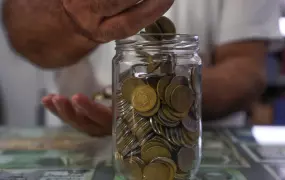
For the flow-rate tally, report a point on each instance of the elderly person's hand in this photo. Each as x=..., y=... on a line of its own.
x=59, y=33
x=104, y=21
x=81, y=113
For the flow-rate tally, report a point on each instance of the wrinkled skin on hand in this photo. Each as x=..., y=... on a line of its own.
x=104, y=21
x=81, y=113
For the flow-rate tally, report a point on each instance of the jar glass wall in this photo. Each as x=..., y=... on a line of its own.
x=157, y=107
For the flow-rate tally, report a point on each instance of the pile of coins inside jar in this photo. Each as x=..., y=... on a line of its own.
x=157, y=128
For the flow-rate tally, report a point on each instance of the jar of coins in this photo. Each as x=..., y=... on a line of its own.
x=157, y=106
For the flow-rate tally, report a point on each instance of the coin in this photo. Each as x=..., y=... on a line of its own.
x=195, y=80
x=175, y=113
x=190, y=124
x=153, y=81
x=147, y=37
x=138, y=161
x=150, y=144
x=168, y=115
x=144, y=130
x=185, y=159
x=168, y=162
x=162, y=140
x=182, y=80
x=134, y=169
x=156, y=171
x=98, y=96
x=128, y=87
x=153, y=152
x=166, y=67
x=152, y=111
x=108, y=92
x=144, y=98
x=161, y=86
x=155, y=30
x=165, y=122
x=166, y=26
x=168, y=92
x=182, y=98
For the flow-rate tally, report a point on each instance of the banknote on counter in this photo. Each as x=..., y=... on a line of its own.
x=47, y=175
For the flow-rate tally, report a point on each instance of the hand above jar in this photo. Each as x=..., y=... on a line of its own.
x=73, y=28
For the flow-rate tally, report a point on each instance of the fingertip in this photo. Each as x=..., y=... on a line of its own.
x=47, y=99
x=79, y=98
x=58, y=98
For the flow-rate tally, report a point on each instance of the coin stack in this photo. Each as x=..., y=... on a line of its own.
x=157, y=126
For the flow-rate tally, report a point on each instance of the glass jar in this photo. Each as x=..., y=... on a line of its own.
x=157, y=107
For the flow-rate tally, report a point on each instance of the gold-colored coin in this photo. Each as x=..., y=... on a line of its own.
x=163, y=121
x=134, y=169
x=163, y=141
x=168, y=162
x=143, y=131
x=168, y=91
x=153, y=152
x=166, y=26
x=175, y=113
x=118, y=156
x=144, y=98
x=128, y=87
x=98, y=96
x=156, y=171
x=176, y=81
x=150, y=144
x=138, y=125
x=147, y=37
x=137, y=160
x=152, y=111
x=168, y=115
x=161, y=86
x=182, y=99
x=155, y=30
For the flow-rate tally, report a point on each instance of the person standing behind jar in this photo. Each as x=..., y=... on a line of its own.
x=76, y=38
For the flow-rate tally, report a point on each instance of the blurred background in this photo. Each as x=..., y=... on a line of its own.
x=22, y=87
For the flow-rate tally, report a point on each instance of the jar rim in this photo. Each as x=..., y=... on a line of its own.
x=167, y=41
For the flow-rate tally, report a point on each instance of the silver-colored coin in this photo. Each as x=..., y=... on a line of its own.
x=186, y=158
x=135, y=152
x=165, y=122
x=177, y=137
x=190, y=124
x=130, y=145
x=136, y=123
x=168, y=136
x=196, y=79
x=152, y=123
x=173, y=136
x=182, y=176
x=182, y=139
x=146, y=138
x=108, y=92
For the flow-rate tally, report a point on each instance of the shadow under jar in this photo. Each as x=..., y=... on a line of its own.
x=157, y=107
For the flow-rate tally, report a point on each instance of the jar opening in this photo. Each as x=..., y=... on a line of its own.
x=159, y=42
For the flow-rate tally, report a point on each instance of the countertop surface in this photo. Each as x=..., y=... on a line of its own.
x=228, y=154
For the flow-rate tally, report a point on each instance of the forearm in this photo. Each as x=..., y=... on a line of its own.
x=230, y=87
x=41, y=31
